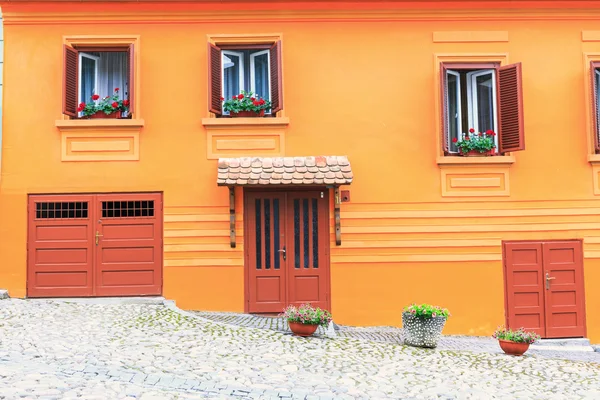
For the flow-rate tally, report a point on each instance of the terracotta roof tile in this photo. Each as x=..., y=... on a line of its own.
x=318, y=170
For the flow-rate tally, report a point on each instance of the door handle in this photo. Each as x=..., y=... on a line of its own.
x=282, y=251
x=548, y=279
x=98, y=235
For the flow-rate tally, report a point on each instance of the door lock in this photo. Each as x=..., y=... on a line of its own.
x=98, y=235
x=548, y=279
x=282, y=251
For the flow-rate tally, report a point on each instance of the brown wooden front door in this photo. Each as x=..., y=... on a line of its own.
x=544, y=287
x=94, y=245
x=287, y=250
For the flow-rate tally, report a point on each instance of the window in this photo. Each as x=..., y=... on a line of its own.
x=483, y=97
x=595, y=70
x=233, y=68
x=98, y=70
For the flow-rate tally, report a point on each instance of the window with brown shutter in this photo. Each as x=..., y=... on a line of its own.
x=595, y=79
x=481, y=97
x=233, y=68
x=97, y=70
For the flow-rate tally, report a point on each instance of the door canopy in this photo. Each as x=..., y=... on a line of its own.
x=260, y=171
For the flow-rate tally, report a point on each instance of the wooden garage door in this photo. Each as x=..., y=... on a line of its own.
x=544, y=287
x=95, y=245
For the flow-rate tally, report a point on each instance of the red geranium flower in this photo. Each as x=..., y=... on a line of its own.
x=466, y=138
x=454, y=140
x=472, y=130
x=126, y=103
x=116, y=89
x=222, y=98
x=489, y=132
x=234, y=98
x=95, y=97
x=81, y=107
x=252, y=98
x=240, y=96
x=115, y=104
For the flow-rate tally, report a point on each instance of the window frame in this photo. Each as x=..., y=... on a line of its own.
x=96, y=59
x=241, y=73
x=105, y=43
x=509, y=100
x=253, y=70
x=472, y=98
x=220, y=42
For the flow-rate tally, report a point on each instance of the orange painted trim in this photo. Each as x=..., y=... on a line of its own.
x=70, y=124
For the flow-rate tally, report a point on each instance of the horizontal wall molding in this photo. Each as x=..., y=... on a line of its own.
x=14, y=14
x=470, y=36
x=98, y=145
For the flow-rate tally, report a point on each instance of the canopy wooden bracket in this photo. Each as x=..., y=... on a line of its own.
x=336, y=213
x=232, y=217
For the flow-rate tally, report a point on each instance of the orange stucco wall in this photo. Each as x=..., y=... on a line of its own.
x=355, y=84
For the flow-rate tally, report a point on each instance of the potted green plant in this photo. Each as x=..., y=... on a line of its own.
x=517, y=342
x=108, y=107
x=423, y=324
x=246, y=104
x=476, y=144
x=305, y=320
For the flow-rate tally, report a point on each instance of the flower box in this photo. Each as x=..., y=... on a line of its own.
x=107, y=107
x=102, y=114
x=246, y=105
x=476, y=153
x=247, y=114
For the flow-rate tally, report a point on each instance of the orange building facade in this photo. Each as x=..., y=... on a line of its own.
x=350, y=194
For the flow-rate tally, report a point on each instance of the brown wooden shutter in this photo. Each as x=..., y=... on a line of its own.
x=511, y=135
x=276, y=78
x=444, y=102
x=595, y=117
x=70, y=81
x=214, y=79
x=131, y=77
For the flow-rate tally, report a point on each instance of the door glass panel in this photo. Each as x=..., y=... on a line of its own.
x=296, y=233
x=267, y=234
x=61, y=210
x=315, y=233
x=306, y=231
x=123, y=209
x=258, y=234
x=276, y=232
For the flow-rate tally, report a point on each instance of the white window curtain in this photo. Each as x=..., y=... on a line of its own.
x=112, y=73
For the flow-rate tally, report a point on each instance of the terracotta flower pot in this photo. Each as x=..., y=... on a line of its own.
x=475, y=153
x=101, y=114
x=422, y=332
x=513, y=348
x=247, y=114
x=299, y=329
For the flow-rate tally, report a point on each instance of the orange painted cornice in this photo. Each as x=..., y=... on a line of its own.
x=26, y=12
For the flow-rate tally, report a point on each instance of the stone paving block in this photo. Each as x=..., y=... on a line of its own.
x=152, y=379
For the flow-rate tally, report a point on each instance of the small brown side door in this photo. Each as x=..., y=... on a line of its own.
x=544, y=287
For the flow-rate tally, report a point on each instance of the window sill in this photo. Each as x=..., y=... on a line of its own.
x=229, y=122
x=594, y=159
x=68, y=124
x=459, y=160
x=100, y=139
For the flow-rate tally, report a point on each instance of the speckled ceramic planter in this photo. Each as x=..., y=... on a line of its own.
x=422, y=332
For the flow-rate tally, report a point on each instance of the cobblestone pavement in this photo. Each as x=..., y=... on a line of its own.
x=388, y=334
x=57, y=350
